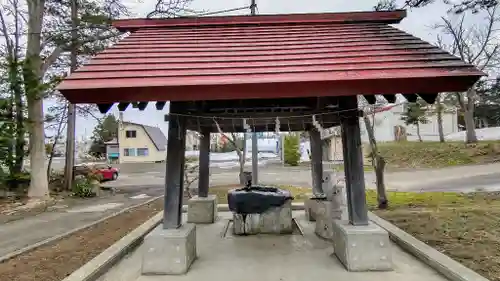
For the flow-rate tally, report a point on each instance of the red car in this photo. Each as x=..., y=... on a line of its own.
x=108, y=173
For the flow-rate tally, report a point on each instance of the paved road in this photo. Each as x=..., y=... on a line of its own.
x=488, y=183
x=21, y=233
x=457, y=179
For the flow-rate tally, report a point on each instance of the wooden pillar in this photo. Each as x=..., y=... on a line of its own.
x=316, y=161
x=255, y=160
x=353, y=167
x=174, y=176
x=204, y=164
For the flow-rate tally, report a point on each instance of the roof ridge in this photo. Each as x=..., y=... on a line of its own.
x=385, y=17
x=155, y=139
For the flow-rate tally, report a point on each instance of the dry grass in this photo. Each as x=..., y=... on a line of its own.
x=464, y=227
x=437, y=155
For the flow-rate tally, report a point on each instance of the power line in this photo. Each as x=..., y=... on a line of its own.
x=177, y=16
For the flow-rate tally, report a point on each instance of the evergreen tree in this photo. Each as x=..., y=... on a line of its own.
x=416, y=114
x=105, y=131
x=292, y=149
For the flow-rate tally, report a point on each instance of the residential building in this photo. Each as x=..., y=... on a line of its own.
x=192, y=140
x=141, y=143
x=387, y=121
x=112, y=151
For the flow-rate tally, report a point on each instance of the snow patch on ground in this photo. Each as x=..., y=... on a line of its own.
x=484, y=134
x=95, y=208
x=231, y=156
x=140, y=196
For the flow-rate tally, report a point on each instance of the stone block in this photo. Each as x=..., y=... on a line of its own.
x=326, y=213
x=362, y=248
x=276, y=220
x=310, y=207
x=169, y=251
x=202, y=209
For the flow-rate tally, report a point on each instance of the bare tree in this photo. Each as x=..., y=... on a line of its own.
x=476, y=44
x=56, y=122
x=239, y=151
x=191, y=174
x=45, y=30
x=171, y=9
x=377, y=160
x=455, y=6
x=439, y=113
x=11, y=25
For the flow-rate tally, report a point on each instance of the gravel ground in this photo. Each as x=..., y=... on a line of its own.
x=56, y=261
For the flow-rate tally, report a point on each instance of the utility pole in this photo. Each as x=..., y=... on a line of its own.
x=255, y=149
x=70, y=133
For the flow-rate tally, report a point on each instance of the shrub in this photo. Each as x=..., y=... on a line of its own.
x=83, y=188
x=292, y=150
x=18, y=183
x=94, y=175
x=56, y=181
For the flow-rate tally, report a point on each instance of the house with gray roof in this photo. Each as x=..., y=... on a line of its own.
x=141, y=143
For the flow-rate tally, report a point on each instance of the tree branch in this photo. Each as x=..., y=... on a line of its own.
x=51, y=59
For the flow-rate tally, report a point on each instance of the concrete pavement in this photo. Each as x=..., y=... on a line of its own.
x=296, y=257
x=30, y=230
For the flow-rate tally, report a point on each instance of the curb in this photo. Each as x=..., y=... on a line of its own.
x=68, y=233
x=443, y=264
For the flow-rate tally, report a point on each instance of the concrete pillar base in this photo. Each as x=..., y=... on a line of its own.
x=326, y=213
x=202, y=209
x=362, y=248
x=169, y=251
x=277, y=220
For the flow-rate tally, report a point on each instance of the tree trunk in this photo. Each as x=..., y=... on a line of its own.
x=439, y=111
x=32, y=81
x=378, y=163
x=54, y=144
x=382, y=200
x=485, y=122
x=10, y=149
x=470, y=126
x=16, y=113
x=20, y=132
x=242, y=170
x=418, y=132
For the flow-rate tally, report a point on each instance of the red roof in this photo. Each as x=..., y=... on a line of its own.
x=269, y=56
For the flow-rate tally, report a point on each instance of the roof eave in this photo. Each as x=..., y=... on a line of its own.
x=383, y=17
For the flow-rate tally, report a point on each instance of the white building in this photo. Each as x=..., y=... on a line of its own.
x=388, y=118
x=386, y=121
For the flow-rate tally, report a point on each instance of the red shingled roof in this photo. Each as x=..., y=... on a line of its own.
x=266, y=57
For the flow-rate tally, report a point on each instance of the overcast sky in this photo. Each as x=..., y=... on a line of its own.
x=418, y=23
